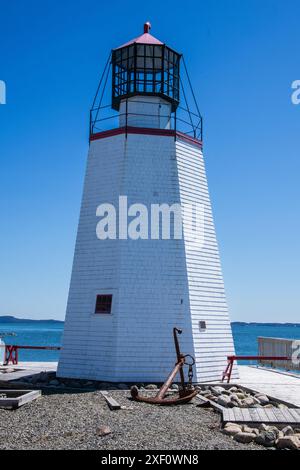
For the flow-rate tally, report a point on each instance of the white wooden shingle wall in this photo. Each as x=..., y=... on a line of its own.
x=156, y=284
x=205, y=280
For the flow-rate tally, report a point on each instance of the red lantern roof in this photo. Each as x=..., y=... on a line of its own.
x=145, y=38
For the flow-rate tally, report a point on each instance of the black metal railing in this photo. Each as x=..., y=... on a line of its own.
x=105, y=118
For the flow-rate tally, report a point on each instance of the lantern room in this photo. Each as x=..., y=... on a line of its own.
x=145, y=66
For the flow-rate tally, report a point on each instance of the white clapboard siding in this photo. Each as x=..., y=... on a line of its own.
x=156, y=284
x=207, y=301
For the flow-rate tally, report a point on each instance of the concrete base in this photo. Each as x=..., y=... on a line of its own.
x=23, y=370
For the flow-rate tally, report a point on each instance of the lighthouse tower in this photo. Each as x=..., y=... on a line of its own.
x=133, y=280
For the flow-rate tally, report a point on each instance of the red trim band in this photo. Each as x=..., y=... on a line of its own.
x=146, y=131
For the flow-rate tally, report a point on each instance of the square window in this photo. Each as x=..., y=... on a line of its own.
x=103, y=304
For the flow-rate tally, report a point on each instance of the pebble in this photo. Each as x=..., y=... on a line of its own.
x=103, y=431
x=70, y=421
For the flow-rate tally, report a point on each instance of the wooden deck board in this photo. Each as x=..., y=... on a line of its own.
x=295, y=413
x=256, y=416
x=112, y=403
x=259, y=415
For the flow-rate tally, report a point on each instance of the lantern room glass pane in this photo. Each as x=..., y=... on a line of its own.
x=145, y=69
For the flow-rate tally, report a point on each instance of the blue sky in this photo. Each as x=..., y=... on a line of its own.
x=242, y=57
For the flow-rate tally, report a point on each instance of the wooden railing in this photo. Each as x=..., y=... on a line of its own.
x=277, y=347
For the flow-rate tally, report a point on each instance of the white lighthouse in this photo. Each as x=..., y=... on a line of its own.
x=136, y=281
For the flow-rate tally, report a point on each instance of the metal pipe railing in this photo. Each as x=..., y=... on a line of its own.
x=177, y=120
x=231, y=359
x=12, y=352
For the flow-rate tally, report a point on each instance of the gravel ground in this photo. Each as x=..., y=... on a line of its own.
x=70, y=421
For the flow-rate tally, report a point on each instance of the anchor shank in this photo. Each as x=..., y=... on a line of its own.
x=169, y=380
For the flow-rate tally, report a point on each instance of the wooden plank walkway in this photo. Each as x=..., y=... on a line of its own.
x=279, y=385
x=258, y=415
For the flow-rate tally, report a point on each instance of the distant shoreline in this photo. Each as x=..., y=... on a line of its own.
x=238, y=323
x=11, y=319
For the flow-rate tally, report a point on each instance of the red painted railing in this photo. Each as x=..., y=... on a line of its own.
x=231, y=359
x=12, y=352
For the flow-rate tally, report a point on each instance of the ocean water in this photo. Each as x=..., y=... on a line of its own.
x=50, y=334
x=33, y=334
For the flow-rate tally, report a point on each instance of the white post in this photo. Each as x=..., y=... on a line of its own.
x=2, y=352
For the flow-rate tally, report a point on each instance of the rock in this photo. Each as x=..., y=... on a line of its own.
x=263, y=427
x=102, y=385
x=212, y=398
x=123, y=387
x=288, y=442
x=140, y=385
x=266, y=438
x=233, y=390
x=245, y=437
x=256, y=401
x=249, y=430
x=43, y=377
x=234, y=398
x=103, y=431
x=232, y=404
x=227, y=425
x=241, y=396
x=112, y=387
x=263, y=399
x=276, y=431
x=27, y=379
x=89, y=384
x=235, y=404
x=76, y=385
x=176, y=387
x=281, y=406
x=288, y=431
x=151, y=387
x=224, y=401
x=217, y=390
x=231, y=429
x=54, y=382
x=203, y=393
x=35, y=379
x=248, y=402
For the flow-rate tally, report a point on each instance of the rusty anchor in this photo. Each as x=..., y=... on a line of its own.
x=186, y=393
